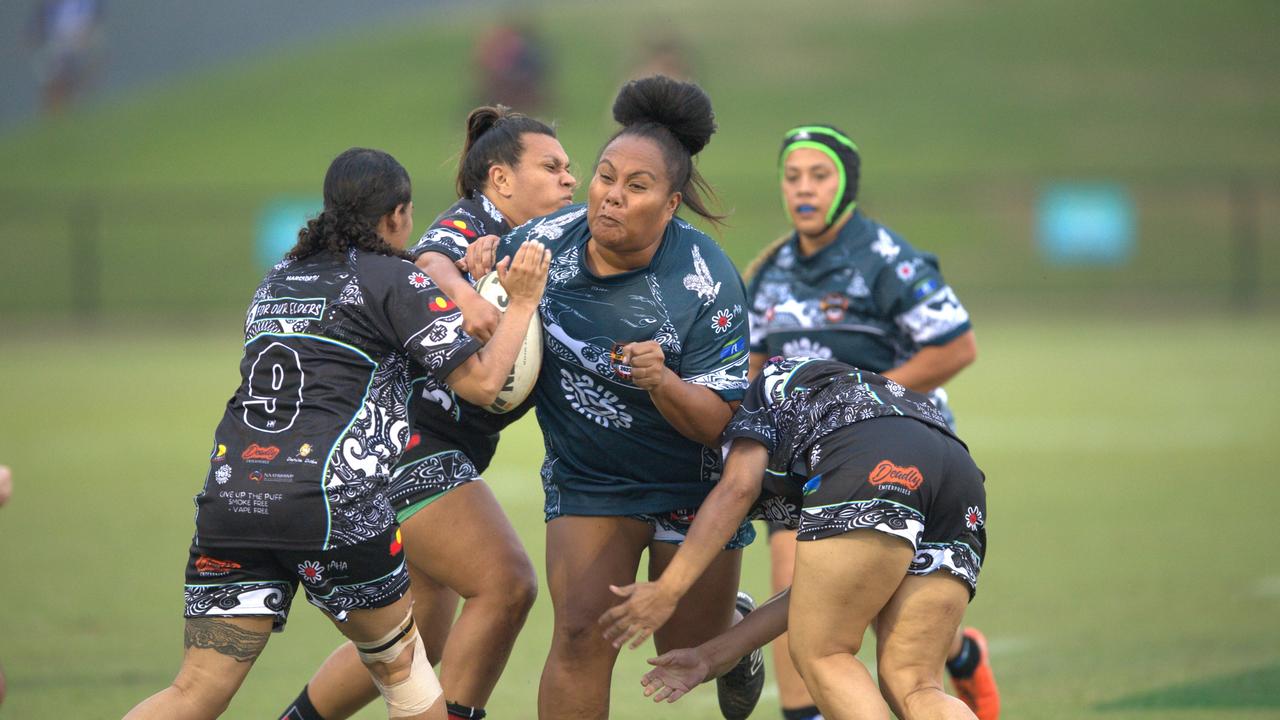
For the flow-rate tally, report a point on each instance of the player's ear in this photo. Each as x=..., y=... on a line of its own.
x=673, y=204
x=501, y=179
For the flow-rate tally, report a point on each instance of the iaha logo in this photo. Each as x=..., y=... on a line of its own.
x=886, y=473
x=311, y=571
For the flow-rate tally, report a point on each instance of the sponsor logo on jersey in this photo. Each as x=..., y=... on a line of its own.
x=311, y=571
x=206, y=565
x=924, y=288
x=414, y=441
x=721, y=321
x=260, y=453
x=419, y=280
x=287, y=309
x=255, y=475
x=219, y=453
x=617, y=354
x=973, y=518
x=906, y=270
x=813, y=484
x=458, y=225
x=303, y=456
x=396, y=544
x=222, y=474
x=302, y=278
x=887, y=473
x=441, y=304
x=833, y=306
x=733, y=349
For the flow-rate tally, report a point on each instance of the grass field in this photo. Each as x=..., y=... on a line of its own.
x=1131, y=496
x=1127, y=424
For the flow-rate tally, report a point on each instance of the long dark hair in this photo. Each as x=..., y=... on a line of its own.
x=360, y=187
x=493, y=138
x=677, y=116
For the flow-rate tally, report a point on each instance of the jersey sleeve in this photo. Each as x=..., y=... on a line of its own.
x=753, y=419
x=910, y=289
x=715, y=349
x=422, y=321
x=449, y=236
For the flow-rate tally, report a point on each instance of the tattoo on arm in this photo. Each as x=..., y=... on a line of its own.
x=225, y=637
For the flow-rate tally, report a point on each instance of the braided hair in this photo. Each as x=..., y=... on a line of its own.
x=361, y=186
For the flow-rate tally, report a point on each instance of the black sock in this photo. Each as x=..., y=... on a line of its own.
x=301, y=709
x=464, y=711
x=966, y=662
x=803, y=713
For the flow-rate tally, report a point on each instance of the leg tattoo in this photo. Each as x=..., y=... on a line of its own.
x=227, y=638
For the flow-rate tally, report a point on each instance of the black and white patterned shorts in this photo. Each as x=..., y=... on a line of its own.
x=902, y=477
x=420, y=477
x=232, y=582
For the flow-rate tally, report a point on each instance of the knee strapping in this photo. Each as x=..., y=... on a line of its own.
x=420, y=689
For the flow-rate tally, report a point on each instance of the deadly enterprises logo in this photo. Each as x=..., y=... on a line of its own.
x=887, y=473
x=260, y=453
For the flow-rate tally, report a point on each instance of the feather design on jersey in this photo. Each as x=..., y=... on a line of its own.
x=700, y=280
x=553, y=227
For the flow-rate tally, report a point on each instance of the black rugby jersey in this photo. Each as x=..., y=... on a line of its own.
x=303, y=453
x=441, y=420
x=795, y=402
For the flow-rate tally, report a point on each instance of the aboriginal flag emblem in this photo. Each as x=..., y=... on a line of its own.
x=459, y=226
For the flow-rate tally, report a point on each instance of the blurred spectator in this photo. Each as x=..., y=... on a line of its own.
x=65, y=34
x=511, y=61
x=664, y=53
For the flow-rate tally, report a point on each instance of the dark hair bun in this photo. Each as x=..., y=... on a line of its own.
x=681, y=107
x=482, y=119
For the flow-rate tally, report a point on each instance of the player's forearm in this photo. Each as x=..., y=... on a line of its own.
x=756, y=630
x=934, y=365
x=718, y=517
x=695, y=411
x=446, y=275
x=482, y=380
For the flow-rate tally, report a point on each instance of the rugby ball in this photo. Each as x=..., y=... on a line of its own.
x=524, y=374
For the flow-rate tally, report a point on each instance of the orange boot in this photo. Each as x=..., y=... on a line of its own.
x=979, y=691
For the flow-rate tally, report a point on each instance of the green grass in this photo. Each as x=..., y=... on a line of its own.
x=1131, y=499
x=963, y=111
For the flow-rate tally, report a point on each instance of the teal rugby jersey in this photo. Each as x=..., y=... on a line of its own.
x=868, y=299
x=608, y=449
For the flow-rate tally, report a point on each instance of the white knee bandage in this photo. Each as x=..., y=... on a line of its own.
x=414, y=694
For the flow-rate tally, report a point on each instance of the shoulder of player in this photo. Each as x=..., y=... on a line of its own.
x=380, y=273
x=555, y=230
x=691, y=244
